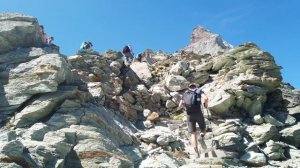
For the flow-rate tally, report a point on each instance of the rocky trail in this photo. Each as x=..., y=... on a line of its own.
x=87, y=110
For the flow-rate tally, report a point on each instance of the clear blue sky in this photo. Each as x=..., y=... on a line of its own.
x=167, y=24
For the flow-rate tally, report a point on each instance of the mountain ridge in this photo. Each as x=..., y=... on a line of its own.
x=88, y=110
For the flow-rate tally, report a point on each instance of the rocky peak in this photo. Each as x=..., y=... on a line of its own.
x=205, y=42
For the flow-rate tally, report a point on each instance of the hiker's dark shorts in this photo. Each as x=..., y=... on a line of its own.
x=193, y=119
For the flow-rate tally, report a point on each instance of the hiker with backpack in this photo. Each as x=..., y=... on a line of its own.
x=128, y=54
x=49, y=40
x=86, y=46
x=191, y=102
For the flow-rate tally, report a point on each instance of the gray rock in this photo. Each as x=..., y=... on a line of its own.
x=199, y=77
x=7, y=136
x=129, y=98
x=257, y=119
x=12, y=148
x=274, y=150
x=292, y=134
x=254, y=159
x=160, y=92
x=25, y=54
x=36, y=132
x=176, y=97
x=170, y=104
x=151, y=135
x=40, y=75
x=10, y=165
x=204, y=67
x=17, y=30
x=69, y=104
x=142, y=71
x=291, y=97
x=160, y=161
x=112, y=55
x=142, y=89
x=165, y=139
x=59, y=141
x=230, y=142
x=221, y=102
x=283, y=117
x=263, y=133
x=41, y=107
x=273, y=121
x=97, y=92
x=176, y=83
x=179, y=68
x=294, y=153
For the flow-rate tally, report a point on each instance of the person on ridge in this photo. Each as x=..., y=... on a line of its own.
x=86, y=46
x=50, y=40
x=44, y=36
x=191, y=102
x=128, y=54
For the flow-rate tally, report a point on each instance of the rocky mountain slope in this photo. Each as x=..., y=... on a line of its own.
x=89, y=111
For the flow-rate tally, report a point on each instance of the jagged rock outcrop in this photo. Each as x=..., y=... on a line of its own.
x=245, y=76
x=40, y=75
x=291, y=98
x=206, y=42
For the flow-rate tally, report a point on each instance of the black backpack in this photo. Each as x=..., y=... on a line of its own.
x=192, y=106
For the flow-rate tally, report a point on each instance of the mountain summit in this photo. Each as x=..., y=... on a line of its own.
x=205, y=42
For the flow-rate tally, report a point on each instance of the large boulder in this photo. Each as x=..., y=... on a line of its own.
x=245, y=76
x=179, y=68
x=88, y=136
x=40, y=75
x=176, y=83
x=142, y=71
x=263, y=133
x=254, y=159
x=160, y=161
x=42, y=107
x=17, y=30
x=292, y=134
x=275, y=150
x=221, y=102
x=291, y=98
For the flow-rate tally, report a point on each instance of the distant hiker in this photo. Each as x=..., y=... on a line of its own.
x=50, y=40
x=191, y=102
x=44, y=36
x=140, y=57
x=128, y=54
x=86, y=46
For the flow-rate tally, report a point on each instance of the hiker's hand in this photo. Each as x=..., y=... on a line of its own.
x=206, y=103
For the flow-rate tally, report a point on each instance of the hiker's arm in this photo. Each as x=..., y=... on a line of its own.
x=180, y=106
x=205, y=100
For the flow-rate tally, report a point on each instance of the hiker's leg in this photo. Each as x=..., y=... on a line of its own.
x=194, y=136
x=202, y=126
x=194, y=140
